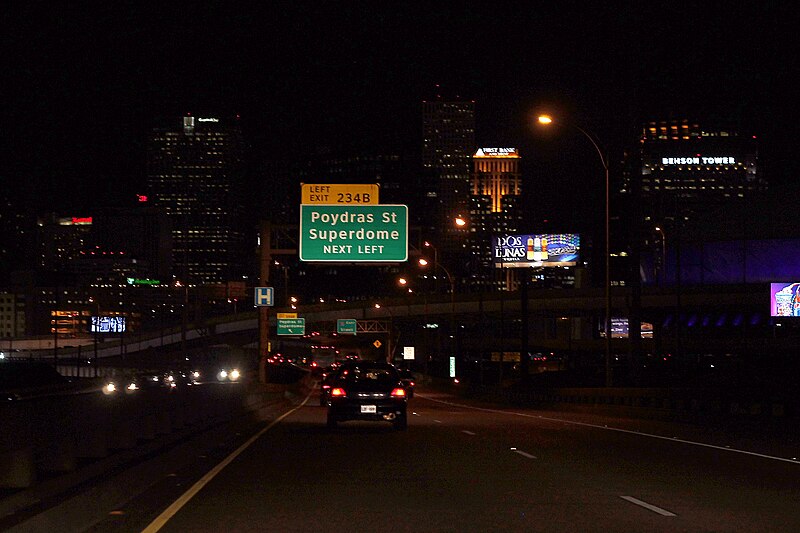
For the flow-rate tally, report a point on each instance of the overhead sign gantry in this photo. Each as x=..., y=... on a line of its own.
x=343, y=223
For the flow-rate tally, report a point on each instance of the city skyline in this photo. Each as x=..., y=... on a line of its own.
x=87, y=87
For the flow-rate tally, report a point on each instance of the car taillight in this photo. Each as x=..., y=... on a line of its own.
x=398, y=393
x=338, y=391
x=326, y=386
x=411, y=383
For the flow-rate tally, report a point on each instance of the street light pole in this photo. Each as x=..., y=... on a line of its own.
x=545, y=119
x=663, y=270
x=390, y=328
x=424, y=262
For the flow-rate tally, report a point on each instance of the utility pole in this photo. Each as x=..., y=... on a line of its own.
x=524, y=362
x=265, y=253
x=265, y=258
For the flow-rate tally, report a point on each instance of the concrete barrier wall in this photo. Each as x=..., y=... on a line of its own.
x=50, y=435
x=662, y=403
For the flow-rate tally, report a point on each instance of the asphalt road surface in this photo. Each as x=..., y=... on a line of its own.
x=473, y=467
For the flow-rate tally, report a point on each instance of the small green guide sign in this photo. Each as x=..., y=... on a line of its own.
x=354, y=233
x=346, y=325
x=291, y=326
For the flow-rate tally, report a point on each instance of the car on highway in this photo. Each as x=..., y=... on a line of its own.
x=328, y=376
x=181, y=378
x=228, y=374
x=408, y=379
x=132, y=383
x=367, y=390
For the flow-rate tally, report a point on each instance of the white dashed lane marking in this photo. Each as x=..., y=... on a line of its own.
x=523, y=454
x=651, y=507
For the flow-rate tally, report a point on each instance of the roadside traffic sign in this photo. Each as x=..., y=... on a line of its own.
x=265, y=296
x=291, y=326
x=350, y=193
x=346, y=325
x=286, y=315
x=354, y=233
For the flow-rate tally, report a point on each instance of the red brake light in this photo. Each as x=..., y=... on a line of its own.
x=326, y=386
x=338, y=391
x=398, y=393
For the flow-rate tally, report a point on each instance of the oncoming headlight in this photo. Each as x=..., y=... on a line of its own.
x=223, y=375
x=234, y=375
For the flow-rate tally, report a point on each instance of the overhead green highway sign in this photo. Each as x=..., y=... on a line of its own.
x=346, y=325
x=354, y=233
x=291, y=326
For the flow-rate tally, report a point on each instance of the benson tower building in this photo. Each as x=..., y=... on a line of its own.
x=194, y=173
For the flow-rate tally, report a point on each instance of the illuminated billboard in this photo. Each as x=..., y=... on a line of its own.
x=108, y=324
x=784, y=299
x=546, y=249
x=620, y=329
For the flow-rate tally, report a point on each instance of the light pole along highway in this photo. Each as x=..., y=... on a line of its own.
x=547, y=120
x=424, y=263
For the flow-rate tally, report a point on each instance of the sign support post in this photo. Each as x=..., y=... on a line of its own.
x=265, y=258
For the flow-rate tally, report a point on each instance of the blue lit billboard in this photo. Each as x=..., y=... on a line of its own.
x=784, y=299
x=544, y=249
x=108, y=324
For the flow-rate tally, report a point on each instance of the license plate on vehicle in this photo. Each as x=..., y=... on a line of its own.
x=368, y=409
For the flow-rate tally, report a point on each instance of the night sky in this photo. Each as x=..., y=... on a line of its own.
x=82, y=87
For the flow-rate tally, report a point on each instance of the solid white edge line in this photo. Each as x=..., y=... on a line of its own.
x=467, y=432
x=659, y=510
x=176, y=506
x=596, y=426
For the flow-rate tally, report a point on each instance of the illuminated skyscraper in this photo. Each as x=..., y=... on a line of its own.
x=448, y=142
x=688, y=169
x=694, y=183
x=495, y=205
x=194, y=173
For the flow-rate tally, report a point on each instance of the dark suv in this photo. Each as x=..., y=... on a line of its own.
x=367, y=390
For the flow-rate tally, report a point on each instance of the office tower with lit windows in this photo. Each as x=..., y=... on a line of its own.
x=142, y=232
x=448, y=142
x=195, y=174
x=495, y=206
x=686, y=170
x=688, y=182
x=61, y=240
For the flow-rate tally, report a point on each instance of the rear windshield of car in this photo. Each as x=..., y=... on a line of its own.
x=369, y=373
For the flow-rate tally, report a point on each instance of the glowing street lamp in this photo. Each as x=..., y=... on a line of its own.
x=403, y=282
x=547, y=120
